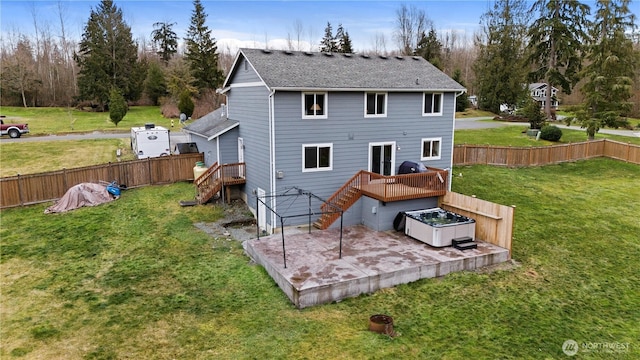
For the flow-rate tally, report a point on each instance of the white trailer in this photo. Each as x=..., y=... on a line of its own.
x=150, y=141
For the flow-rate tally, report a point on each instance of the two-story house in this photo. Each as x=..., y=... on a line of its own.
x=538, y=92
x=328, y=123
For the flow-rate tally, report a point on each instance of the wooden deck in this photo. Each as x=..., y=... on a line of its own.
x=397, y=192
x=403, y=187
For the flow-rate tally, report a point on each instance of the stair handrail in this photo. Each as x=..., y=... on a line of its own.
x=212, y=170
x=354, y=182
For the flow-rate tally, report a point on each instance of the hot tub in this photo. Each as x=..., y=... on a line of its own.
x=437, y=227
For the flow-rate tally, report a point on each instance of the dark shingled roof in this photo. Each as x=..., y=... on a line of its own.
x=212, y=124
x=281, y=69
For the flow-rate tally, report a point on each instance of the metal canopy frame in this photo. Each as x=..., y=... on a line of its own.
x=297, y=192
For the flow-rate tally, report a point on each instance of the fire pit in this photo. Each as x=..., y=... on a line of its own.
x=382, y=324
x=438, y=227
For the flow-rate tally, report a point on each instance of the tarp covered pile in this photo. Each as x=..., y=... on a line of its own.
x=84, y=194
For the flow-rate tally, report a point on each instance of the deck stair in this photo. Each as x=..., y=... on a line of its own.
x=216, y=177
x=383, y=188
x=464, y=243
x=342, y=199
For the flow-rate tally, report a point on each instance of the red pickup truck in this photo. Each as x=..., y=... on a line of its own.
x=13, y=130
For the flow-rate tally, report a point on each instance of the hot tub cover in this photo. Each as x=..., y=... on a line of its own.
x=84, y=194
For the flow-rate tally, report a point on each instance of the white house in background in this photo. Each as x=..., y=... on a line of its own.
x=538, y=92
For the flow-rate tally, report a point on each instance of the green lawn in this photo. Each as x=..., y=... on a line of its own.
x=47, y=121
x=35, y=157
x=512, y=135
x=135, y=279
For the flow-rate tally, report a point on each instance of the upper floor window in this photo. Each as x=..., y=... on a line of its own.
x=375, y=104
x=432, y=104
x=317, y=157
x=314, y=105
x=431, y=148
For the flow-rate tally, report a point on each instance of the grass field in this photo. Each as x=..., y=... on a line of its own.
x=512, y=136
x=135, y=279
x=35, y=157
x=47, y=121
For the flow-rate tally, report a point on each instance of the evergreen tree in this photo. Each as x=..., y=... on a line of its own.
x=555, y=44
x=344, y=41
x=612, y=66
x=531, y=110
x=155, y=84
x=117, y=106
x=107, y=57
x=499, y=68
x=430, y=48
x=328, y=42
x=201, y=51
x=185, y=104
x=166, y=39
x=462, y=101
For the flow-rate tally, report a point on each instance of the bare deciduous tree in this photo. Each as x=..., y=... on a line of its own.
x=411, y=23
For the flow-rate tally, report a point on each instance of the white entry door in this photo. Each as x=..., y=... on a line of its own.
x=382, y=158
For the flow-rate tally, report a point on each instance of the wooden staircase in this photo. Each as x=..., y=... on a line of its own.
x=208, y=184
x=383, y=188
x=216, y=177
x=342, y=199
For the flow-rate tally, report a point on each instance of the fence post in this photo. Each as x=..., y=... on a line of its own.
x=20, y=192
x=64, y=178
x=628, y=156
x=464, y=154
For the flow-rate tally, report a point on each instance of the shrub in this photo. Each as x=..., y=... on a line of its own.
x=117, y=106
x=550, y=133
x=185, y=104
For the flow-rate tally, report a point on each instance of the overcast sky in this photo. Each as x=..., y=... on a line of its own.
x=253, y=23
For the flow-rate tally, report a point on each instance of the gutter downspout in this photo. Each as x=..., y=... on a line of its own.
x=453, y=134
x=272, y=158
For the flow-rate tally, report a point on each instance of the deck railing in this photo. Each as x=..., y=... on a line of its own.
x=396, y=187
x=406, y=186
x=217, y=176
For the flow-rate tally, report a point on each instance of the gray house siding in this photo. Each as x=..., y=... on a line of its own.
x=250, y=106
x=350, y=133
x=208, y=148
x=244, y=73
x=229, y=146
x=379, y=216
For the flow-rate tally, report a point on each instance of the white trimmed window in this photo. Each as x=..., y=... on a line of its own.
x=375, y=104
x=431, y=148
x=317, y=157
x=432, y=104
x=314, y=105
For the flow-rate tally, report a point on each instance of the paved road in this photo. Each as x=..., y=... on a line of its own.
x=176, y=136
x=478, y=123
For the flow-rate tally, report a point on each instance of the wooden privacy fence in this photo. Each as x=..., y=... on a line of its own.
x=543, y=155
x=37, y=188
x=494, y=222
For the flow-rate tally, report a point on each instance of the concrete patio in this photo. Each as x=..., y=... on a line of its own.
x=371, y=260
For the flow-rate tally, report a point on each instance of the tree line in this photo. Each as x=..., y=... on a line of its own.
x=562, y=43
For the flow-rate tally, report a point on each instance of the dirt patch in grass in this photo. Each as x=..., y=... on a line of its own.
x=505, y=266
x=237, y=223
